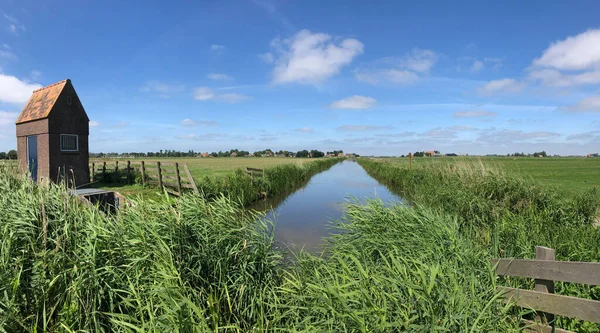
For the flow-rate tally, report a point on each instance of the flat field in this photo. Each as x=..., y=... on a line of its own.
x=209, y=166
x=199, y=168
x=570, y=174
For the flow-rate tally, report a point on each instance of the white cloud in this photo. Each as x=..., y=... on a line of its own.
x=219, y=76
x=15, y=91
x=194, y=123
x=8, y=118
x=554, y=78
x=7, y=55
x=439, y=133
x=462, y=128
x=311, y=58
x=232, y=98
x=501, y=86
x=160, y=88
x=473, y=114
x=14, y=25
x=392, y=75
x=403, y=70
x=506, y=136
x=574, y=53
x=496, y=63
x=589, y=104
x=477, y=66
x=354, y=102
x=363, y=128
x=268, y=57
x=94, y=123
x=217, y=48
x=205, y=94
x=304, y=130
x=419, y=60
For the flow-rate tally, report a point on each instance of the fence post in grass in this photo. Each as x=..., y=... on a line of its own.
x=178, y=179
x=409, y=160
x=104, y=172
x=143, y=169
x=128, y=172
x=190, y=178
x=159, y=175
x=117, y=178
x=544, y=286
x=93, y=172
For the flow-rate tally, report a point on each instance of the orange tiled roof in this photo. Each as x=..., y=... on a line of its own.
x=41, y=102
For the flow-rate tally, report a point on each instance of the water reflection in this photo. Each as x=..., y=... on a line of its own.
x=302, y=216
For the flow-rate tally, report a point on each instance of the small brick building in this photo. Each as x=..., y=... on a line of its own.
x=52, y=135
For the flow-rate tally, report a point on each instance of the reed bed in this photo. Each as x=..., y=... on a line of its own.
x=505, y=215
x=197, y=265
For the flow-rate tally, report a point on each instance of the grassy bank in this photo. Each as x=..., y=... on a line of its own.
x=194, y=265
x=570, y=174
x=229, y=177
x=276, y=180
x=504, y=214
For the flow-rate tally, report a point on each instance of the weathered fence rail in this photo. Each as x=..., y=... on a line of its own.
x=543, y=300
x=255, y=172
x=167, y=175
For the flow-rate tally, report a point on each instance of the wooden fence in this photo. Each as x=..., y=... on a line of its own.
x=253, y=171
x=171, y=176
x=545, y=271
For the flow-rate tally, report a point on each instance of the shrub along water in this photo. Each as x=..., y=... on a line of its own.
x=505, y=215
x=195, y=265
x=276, y=180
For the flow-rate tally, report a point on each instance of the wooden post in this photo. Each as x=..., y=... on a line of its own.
x=143, y=167
x=128, y=172
x=117, y=178
x=104, y=172
x=93, y=172
x=252, y=177
x=190, y=178
x=409, y=160
x=178, y=179
x=544, y=286
x=159, y=175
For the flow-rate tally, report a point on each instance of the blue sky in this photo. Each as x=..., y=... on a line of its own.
x=372, y=78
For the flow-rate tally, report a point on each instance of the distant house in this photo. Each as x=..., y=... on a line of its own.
x=205, y=155
x=52, y=135
x=234, y=154
x=340, y=154
x=430, y=153
x=329, y=155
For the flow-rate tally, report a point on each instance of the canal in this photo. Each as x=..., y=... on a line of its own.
x=303, y=217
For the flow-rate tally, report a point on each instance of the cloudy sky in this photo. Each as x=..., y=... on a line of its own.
x=373, y=78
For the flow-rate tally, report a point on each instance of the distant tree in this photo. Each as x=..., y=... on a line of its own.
x=316, y=153
x=542, y=153
x=437, y=151
x=3, y=155
x=302, y=153
x=12, y=154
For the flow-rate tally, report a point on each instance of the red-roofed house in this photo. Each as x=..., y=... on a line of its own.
x=52, y=135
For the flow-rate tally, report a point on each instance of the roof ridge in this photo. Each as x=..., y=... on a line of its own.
x=52, y=85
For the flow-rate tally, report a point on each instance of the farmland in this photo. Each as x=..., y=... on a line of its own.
x=570, y=174
x=423, y=267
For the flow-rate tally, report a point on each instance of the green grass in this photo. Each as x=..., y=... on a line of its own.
x=504, y=214
x=204, y=263
x=193, y=265
x=571, y=174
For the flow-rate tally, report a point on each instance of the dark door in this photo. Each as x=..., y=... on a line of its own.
x=32, y=156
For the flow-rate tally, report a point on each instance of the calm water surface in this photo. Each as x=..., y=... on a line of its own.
x=302, y=218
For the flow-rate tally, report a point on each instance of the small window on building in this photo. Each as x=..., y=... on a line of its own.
x=69, y=142
x=69, y=101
